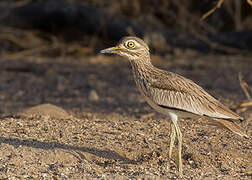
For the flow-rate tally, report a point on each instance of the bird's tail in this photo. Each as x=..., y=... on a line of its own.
x=231, y=126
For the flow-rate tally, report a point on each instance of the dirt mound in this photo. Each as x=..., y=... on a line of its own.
x=46, y=110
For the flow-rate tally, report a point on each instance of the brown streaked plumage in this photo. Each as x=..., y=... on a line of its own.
x=172, y=94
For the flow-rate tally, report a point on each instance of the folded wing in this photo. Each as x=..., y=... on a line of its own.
x=175, y=91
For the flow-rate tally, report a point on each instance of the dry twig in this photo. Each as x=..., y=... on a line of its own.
x=37, y=44
x=244, y=86
x=24, y=53
x=189, y=25
x=218, y=5
x=246, y=104
x=249, y=2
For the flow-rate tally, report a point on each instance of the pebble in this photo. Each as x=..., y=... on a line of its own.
x=93, y=96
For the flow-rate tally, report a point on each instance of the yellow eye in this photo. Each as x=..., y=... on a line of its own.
x=130, y=44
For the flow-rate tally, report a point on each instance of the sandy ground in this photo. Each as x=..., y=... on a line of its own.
x=108, y=131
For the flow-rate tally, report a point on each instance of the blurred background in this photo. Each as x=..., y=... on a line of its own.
x=206, y=40
x=93, y=24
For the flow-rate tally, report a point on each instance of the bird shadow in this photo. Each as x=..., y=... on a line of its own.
x=107, y=154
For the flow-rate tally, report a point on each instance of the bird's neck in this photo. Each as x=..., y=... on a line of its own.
x=142, y=68
x=142, y=65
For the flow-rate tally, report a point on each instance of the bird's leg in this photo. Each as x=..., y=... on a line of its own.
x=172, y=139
x=179, y=137
x=174, y=119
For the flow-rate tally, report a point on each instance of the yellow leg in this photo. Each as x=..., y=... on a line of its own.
x=172, y=139
x=176, y=132
x=179, y=138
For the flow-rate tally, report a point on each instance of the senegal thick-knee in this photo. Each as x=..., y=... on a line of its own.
x=171, y=94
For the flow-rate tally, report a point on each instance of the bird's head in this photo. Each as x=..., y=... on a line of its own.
x=129, y=47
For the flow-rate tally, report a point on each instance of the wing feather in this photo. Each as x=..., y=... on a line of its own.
x=174, y=91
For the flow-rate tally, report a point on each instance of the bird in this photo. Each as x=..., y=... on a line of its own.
x=172, y=94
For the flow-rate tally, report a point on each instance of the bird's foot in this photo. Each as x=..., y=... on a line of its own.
x=169, y=165
x=171, y=168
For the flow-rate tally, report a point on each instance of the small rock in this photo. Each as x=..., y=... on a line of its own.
x=93, y=96
x=225, y=167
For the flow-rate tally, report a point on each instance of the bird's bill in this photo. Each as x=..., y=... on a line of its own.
x=111, y=50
